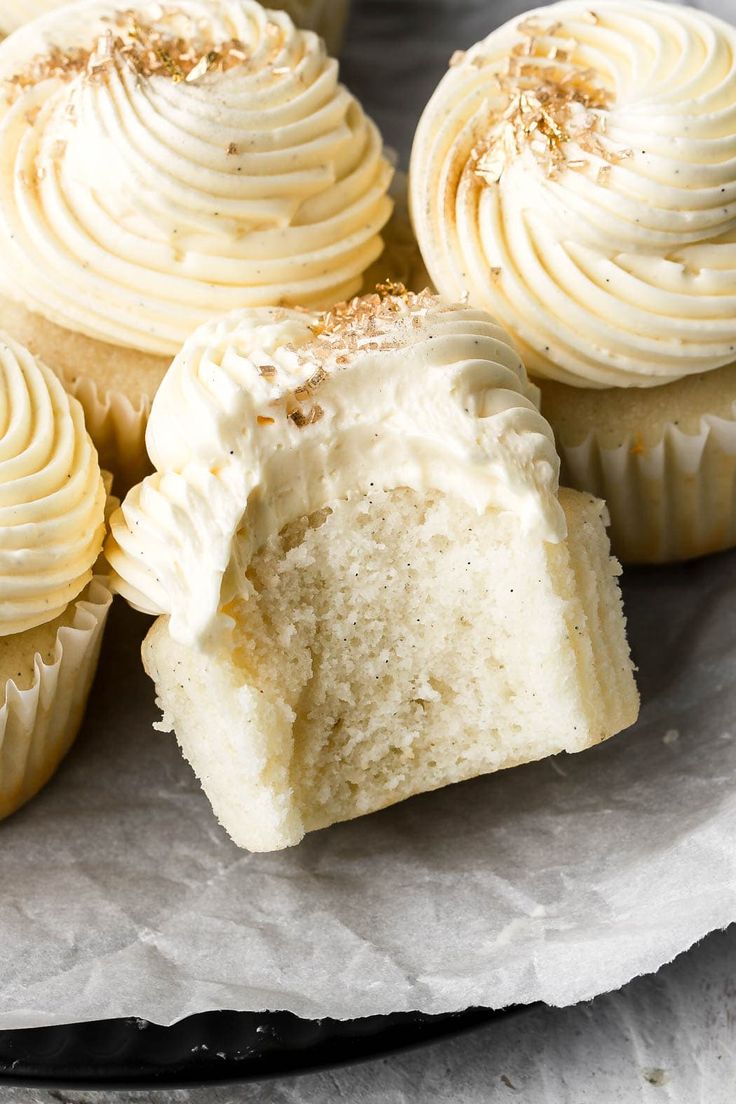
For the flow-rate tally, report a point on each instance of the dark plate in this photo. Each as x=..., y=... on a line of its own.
x=215, y=1046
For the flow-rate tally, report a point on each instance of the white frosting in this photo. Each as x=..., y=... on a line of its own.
x=14, y=13
x=313, y=15
x=431, y=397
x=133, y=208
x=620, y=269
x=52, y=497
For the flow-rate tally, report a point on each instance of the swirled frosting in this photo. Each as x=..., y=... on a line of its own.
x=575, y=173
x=270, y=414
x=14, y=13
x=313, y=15
x=165, y=163
x=52, y=497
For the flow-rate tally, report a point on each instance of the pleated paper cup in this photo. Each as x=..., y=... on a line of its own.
x=663, y=458
x=46, y=674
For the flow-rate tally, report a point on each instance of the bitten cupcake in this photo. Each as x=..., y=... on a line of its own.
x=161, y=164
x=52, y=610
x=326, y=17
x=367, y=584
x=575, y=174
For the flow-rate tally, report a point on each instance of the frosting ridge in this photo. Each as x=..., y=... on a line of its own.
x=313, y=15
x=270, y=414
x=163, y=163
x=52, y=496
x=575, y=173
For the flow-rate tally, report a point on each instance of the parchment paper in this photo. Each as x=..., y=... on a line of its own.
x=121, y=896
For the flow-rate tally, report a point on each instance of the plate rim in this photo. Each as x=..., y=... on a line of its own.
x=295, y=1051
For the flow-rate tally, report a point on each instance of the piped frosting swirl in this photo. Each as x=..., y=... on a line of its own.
x=14, y=13
x=313, y=15
x=575, y=173
x=164, y=163
x=267, y=415
x=52, y=497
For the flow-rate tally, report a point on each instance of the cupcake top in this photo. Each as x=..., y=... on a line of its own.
x=312, y=14
x=14, y=13
x=575, y=173
x=166, y=162
x=52, y=497
x=267, y=415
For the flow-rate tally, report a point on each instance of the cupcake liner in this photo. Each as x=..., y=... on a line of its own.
x=117, y=426
x=669, y=501
x=38, y=725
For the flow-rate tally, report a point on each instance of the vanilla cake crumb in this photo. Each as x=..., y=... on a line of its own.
x=392, y=644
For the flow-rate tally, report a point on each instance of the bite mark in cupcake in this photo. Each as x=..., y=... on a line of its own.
x=345, y=597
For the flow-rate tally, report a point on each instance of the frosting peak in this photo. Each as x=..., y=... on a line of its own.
x=575, y=174
x=326, y=17
x=161, y=163
x=52, y=497
x=267, y=415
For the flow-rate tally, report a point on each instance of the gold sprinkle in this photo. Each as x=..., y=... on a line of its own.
x=308, y=388
x=147, y=49
x=268, y=371
x=203, y=66
x=300, y=419
x=361, y=322
x=263, y=421
x=550, y=104
x=535, y=28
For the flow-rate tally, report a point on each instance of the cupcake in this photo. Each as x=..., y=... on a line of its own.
x=366, y=582
x=326, y=17
x=164, y=164
x=52, y=610
x=575, y=174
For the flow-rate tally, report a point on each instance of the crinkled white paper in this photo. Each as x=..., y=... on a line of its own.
x=121, y=896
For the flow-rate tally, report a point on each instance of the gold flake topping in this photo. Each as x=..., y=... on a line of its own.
x=364, y=323
x=300, y=419
x=361, y=321
x=551, y=103
x=158, y=48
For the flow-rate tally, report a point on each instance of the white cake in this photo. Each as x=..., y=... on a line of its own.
x=368, y=585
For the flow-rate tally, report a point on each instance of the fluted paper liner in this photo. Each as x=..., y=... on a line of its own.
x=670, y=501
x=117, y=425
x=39, y=725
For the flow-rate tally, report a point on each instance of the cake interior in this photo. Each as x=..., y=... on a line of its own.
x=389, y=645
